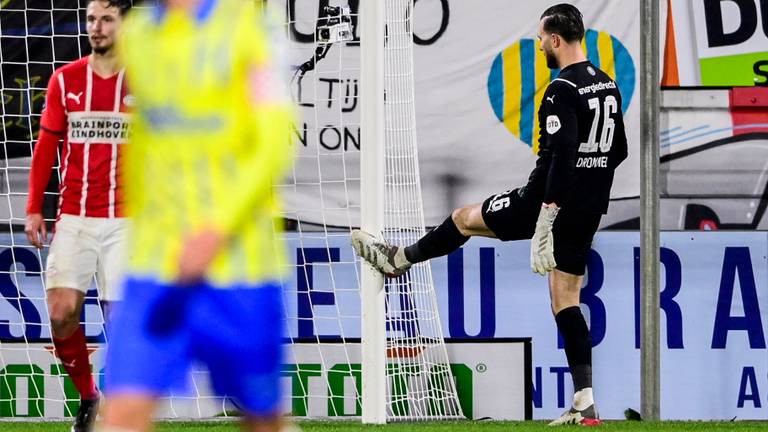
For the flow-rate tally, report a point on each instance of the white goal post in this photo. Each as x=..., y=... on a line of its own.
x=392, y=207
x=372, y=172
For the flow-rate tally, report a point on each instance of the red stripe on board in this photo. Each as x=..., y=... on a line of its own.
x=749, y=106
x=404, y=351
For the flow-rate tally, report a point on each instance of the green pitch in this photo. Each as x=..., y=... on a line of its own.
x=424, y=427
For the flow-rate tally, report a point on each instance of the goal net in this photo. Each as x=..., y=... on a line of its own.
x=323, y=371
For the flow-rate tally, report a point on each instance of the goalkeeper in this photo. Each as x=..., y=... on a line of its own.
x=582, y=142
x=202, y=284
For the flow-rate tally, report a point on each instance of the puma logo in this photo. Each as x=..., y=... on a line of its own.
x=69, y=365
x=551, y=98
x=74, y=97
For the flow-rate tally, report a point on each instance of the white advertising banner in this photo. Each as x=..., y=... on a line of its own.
x=716, y=43
x=479, y=79
x=490, y=380
x=714, y=362
x=35, y=384
x=714, y=285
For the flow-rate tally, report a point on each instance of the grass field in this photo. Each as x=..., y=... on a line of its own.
x=216, y=426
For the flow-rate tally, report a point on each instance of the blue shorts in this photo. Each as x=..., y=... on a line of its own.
x=158, y=330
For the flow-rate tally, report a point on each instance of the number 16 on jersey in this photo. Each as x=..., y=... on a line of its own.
x=606, y=135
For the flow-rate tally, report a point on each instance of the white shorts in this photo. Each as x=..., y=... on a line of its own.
x=84, y=247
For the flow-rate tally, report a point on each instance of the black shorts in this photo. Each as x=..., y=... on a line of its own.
x=512, y=216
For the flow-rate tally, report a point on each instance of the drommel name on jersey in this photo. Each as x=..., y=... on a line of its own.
x=582, y=139
x=89, y=113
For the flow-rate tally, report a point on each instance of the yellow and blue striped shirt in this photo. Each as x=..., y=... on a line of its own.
x=210, y=136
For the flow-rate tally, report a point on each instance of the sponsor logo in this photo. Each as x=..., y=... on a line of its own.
x=129, y=100
x=730, y=47
x=403, y=377
x=551, y=98
x=596, y=87
x=99, y=127
x=553, y=124
x=519, y=76
x=74, y=97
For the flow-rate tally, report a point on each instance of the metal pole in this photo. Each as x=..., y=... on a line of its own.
x=649, y=209
x=373, y=341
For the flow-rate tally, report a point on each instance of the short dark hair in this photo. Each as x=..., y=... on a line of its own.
x=565, y=20
x=121, y=5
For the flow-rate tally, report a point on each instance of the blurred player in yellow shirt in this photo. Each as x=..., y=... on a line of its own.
x=210, y=135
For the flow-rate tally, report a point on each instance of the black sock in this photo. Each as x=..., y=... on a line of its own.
x=442, y=240
x=578, y=345
x=582, y=377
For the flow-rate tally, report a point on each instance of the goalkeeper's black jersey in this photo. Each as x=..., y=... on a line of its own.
x=582, y=140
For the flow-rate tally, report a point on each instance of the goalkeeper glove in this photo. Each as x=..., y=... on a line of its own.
x=542, y=243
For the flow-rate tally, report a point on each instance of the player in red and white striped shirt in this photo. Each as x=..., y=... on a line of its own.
x=86, y=108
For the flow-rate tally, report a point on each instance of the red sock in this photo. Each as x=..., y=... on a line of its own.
x=73, y=354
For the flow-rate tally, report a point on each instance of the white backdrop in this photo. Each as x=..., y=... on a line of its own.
x=460, y=136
